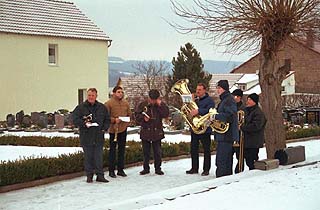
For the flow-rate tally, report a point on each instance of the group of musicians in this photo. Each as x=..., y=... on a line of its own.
x=113, y=116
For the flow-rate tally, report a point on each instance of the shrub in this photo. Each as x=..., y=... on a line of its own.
x=301, y=133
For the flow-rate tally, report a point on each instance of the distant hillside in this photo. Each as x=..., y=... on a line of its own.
x=120, y=68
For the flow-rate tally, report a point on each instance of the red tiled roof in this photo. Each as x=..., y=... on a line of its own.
x=48, y=18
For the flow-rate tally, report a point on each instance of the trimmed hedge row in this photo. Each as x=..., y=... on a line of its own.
x=13, y=172
x=303, y=133
x=40, y=141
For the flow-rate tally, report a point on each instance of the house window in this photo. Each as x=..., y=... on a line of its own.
x=82, y=95
x=242, y=87
x=53, y=54
x=283, y=88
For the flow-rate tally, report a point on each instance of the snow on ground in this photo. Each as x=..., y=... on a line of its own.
x=20, y=152
x=282, y=188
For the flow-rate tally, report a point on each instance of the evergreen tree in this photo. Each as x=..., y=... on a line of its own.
x=188, y=65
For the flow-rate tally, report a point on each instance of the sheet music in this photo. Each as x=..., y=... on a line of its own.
x=186, y=98
x=125, y=119
x=92, y=124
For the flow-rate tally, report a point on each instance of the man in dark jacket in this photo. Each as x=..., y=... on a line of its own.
x=204, y=103
x=238, y=94
x=227, y=112
x=253, y=130
x=149, y=115
x=93, y=120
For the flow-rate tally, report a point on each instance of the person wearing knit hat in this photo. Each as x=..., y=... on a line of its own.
x=253, y=130
x=223, y=84
x=238, y=93
x=254, y=97
x=227, y=112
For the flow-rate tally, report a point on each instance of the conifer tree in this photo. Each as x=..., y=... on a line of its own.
x=188, y=65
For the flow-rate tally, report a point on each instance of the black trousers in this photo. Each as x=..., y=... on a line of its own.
x=93, y=160
x=224, y=159
x=121, y=142
x=206, y=144
x=157, y=153
x=250, y=156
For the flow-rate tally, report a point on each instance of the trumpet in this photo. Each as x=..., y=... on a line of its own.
x=144, y=112
x=87, y=118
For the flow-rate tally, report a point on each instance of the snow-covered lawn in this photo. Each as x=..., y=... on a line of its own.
x=278, y=189
x=21, y=152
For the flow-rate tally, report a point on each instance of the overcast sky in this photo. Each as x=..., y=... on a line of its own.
x=139, y=30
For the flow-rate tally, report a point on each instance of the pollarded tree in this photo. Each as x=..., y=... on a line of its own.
x=258, y=25
x=188, y=65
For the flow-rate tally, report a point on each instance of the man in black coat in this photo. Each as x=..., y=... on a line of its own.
x=93, y=120
x=227, y=112
x=253, y=130
x=149, y=115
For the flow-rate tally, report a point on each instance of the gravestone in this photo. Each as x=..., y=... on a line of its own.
x=68, y=119
x=43, y=120
x=19, y=117
x=59, y=121
x=177, y=120
x=26, y=121
x=35, y=116
x=11, y=120
x=291, y=155
x=50, y=117
x=266, y=164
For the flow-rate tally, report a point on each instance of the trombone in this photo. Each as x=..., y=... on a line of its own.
x=241, y=141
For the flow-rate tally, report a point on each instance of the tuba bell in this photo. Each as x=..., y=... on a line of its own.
x=198, y=123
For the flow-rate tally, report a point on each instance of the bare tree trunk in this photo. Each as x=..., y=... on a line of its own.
x=270, y=83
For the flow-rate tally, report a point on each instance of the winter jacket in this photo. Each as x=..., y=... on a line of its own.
x=253, y=127
x=118, y=108
x=93, y=135
x=153, y=129
x=227, y=112
x=204, y=104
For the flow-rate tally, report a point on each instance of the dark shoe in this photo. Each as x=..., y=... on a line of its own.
x=121, y=173
x=205, y=173
x=159, y=172
x=90, y=178
x=192, y=171
x=101, y=179
x=112, y=174
x=144, y=172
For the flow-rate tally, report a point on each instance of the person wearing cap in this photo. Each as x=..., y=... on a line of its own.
x=238, y=94
x=253, y=130
x=227, y=112
x=149, y=115
x=204, y=102
x=119, y=109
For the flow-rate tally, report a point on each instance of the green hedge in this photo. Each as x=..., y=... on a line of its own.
x=40, y=141
x=303, y=133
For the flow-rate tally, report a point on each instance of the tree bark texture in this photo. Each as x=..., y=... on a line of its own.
x=270, y=79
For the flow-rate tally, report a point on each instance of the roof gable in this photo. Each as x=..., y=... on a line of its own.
x=48, y=18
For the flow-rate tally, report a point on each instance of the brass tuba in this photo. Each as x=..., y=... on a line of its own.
x=198, y=124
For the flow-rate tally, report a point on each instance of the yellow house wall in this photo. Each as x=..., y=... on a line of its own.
x=29, y=83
